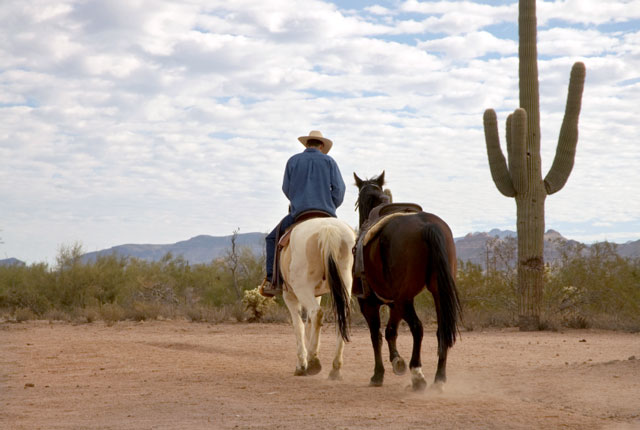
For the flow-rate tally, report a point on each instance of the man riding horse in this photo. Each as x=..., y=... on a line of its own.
x=312, y=182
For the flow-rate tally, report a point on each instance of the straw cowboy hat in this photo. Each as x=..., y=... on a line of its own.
x=315, y=134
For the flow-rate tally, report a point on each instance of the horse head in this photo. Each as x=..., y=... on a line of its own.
x=370, y=195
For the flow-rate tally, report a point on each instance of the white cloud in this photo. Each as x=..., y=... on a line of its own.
x=471, y=45
x=574, y=42
x=588, y=11
x=153, y=122
x=378, y=10
x=458, y=17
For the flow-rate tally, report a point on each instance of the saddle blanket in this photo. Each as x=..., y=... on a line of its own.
x=375, y=228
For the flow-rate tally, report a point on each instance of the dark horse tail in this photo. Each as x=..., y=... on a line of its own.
x=341, y=298
x=447, y=293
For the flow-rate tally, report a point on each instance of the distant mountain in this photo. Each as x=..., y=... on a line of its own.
x=630, y=249
x=204, y=249
x=502, y=233
x=474, y=246
x=199, y=249
x=11, y=262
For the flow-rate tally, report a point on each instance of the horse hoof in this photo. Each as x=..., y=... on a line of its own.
x=375, y=382
x=300, y=372
x=418, y=385
x=399, y=366
x=437, y=387
x=334, y=375
x=314, y=367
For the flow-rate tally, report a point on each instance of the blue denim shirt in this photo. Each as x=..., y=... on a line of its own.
x=312, y=180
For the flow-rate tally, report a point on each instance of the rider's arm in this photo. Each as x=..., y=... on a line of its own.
x=337, y=185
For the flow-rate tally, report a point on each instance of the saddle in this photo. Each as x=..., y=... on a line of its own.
x=282, y=240
x=378, y=217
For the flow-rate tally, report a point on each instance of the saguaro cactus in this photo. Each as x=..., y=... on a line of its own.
x=520, y=175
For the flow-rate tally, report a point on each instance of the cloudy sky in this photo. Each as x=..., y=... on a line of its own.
x=153, y=121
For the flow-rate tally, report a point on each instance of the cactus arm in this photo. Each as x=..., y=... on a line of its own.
x=518, y=162
x=566, y=150
x=497, y=162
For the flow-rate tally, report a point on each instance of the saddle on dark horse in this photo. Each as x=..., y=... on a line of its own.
x=282, y=240
x=378, y=217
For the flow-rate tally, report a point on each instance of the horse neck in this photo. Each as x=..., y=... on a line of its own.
x=363, y=217
x=365, y=209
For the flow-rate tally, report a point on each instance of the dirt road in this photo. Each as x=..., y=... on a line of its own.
x=180, y=375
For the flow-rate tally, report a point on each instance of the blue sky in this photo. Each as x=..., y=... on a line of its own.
x=156, y=121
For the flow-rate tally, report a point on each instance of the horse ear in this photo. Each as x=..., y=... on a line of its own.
x=380, y=179
x=358, y=180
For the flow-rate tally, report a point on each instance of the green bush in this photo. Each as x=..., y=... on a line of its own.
x=595, y=287
x=587, y=287
x=114, y=288
x=24, y=287
x=489, y=297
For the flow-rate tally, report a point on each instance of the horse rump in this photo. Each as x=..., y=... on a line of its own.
x=333, y=248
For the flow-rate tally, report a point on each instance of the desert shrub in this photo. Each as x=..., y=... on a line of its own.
x=71, y=278
x=214, y=285
x=24, y=314
x=86, y=315
x=488, y=297
x=56, y=315
x=22, y=287
x=225, y=313
x=196, y=313
x=143, y=311
x=111, y=313
x=425, y=308
x=256, y=305
x=594, y=287
x=586, y=287
x=108, y=280
x=118, y=287
x=280, y=314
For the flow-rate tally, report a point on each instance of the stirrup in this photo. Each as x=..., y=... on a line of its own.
x=267, y=289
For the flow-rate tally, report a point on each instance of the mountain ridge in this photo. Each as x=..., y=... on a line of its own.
x=203, y=249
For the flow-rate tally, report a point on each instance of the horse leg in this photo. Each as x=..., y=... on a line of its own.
x=337, y=358
x=371, y=312
x=441, y=372
x=345, y=274
x=298, y=328
x=391, y=335
x=314, y=319
x=418, y=383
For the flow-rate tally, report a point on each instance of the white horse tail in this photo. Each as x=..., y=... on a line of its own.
x=333, y=248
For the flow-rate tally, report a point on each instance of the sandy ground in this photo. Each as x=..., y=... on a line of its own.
x=180, y=375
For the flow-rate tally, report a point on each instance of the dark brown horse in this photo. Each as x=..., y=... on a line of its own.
x=410, y=252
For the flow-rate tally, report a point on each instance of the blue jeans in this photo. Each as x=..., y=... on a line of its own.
x=270, y=241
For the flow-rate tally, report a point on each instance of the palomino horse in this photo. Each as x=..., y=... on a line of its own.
x=404, y=255
x=318, y=260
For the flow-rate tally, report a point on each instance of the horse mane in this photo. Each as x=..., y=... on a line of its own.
x=370, y=195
